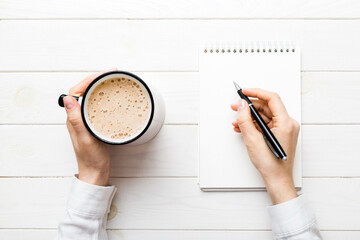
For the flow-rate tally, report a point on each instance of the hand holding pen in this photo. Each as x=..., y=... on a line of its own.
x=277, y=174
x=269, y=137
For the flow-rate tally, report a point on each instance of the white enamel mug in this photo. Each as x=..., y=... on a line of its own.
x=154, y=122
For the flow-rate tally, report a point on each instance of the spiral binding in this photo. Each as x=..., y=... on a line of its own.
x=251, y=47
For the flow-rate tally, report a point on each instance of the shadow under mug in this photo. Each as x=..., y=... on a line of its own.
x=155, y=120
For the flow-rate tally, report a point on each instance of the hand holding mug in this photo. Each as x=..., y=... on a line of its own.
x=91, y=154
x=277, y=174
x=117, y=108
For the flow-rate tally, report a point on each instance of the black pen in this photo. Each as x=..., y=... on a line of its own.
x=270, y=139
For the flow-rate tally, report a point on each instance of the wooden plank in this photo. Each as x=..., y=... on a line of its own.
x=181, y=235
x=41, y=234
x=179, y=9
x=216, y=235
x=335, y=235
x=38, y=199
x=173, y=152
x=331, y=151
x=32, y=97
x=330, y=97
x=27, y=96
x=18, y=234
x=328, y=151
x=176, y=203
x=92, y=45
x=41, y=150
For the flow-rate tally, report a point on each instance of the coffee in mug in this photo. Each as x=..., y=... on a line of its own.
x=120, y=108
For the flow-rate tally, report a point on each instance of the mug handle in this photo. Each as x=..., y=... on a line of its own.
x=61, y=101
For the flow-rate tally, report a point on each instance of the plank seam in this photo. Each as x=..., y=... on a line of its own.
x=177, y=124
x=195, y=230
x=161, y=177
x=182, y=19
x=160, y=71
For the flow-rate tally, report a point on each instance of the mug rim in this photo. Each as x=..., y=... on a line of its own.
x=151, y=113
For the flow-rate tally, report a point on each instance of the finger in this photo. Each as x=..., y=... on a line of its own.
x=269, y=124
x=262, y=107
x=237, y=130
x=73, y=136
x=273, y=99
x=245, y=122
x=265, y=118
x=257, y=126
x=234, y=106
x=73, y=111
x=79, y=89
x=235, y=125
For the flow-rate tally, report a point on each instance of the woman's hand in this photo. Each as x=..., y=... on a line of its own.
x=277, y=174
x=92, y=155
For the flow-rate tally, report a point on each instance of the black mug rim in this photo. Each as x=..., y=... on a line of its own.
x=151, y=113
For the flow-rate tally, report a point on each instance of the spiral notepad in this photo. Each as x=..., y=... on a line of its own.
x=224, y=163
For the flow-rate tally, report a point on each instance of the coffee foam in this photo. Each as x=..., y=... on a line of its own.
x=119, y=109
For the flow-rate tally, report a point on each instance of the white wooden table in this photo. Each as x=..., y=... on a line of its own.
x=48, y=46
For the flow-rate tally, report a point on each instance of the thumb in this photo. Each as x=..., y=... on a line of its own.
x=73, y=111
x=245, y=121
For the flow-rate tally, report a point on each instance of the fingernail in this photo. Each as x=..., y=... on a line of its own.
x=68, y=102
x=241, y=104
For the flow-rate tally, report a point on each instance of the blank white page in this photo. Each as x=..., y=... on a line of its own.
x=224, y=162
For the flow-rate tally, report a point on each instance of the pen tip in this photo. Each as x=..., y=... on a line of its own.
x=237, y=87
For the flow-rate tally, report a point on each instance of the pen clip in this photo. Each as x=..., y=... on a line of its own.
x=273, y=151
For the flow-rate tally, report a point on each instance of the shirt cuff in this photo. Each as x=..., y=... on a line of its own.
x=291, y=217
x=90, y=200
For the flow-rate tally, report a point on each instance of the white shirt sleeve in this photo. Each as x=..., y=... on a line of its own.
x=86, y=212
x=294, y=220
x=88, y=206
